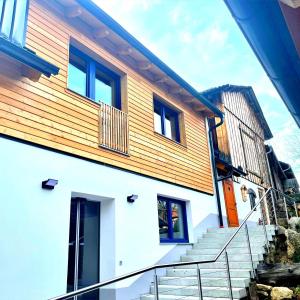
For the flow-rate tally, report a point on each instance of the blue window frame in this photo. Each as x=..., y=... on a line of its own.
x=13, y=20
x=91, y=79
x=172, y=220
x=166, y=121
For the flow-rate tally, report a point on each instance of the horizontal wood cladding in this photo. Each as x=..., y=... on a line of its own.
x=47, y=113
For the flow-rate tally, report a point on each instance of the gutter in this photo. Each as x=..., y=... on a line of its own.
x=214, y=169
x=104, y=18
x=258, y=20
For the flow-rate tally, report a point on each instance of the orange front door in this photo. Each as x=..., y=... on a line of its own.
x=231, y=210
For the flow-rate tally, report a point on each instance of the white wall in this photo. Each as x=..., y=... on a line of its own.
x=243, y=208
x=34, y=227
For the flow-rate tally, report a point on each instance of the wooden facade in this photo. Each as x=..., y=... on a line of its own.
x=45, y=112
x=240, y=140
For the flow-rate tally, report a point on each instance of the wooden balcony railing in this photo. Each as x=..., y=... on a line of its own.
x=113, y=129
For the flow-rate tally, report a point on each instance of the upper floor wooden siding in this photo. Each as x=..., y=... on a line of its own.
x=47, y=113
x=241, y=123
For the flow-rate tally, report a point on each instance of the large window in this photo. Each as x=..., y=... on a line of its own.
x=166, y=121
x=172, y=220
x=92, y=79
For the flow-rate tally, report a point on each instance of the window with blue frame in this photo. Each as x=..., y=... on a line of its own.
x=91, y=79
x=166, y=120
x=13, y=20
x=172, y=220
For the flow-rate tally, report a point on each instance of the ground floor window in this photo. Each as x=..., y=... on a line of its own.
x=172, y=220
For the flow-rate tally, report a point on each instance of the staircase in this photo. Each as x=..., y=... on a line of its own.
x=182, y=282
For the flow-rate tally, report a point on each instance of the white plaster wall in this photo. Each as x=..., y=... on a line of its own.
x=243, y=207
x=34, y=227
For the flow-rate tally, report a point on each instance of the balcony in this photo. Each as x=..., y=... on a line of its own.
x=113, y=129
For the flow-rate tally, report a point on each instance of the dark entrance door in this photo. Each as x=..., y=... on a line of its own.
x=84, y=250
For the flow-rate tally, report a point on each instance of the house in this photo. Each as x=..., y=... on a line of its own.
x=282, y=175
x=239, y=150
x=269, y=25
x=105, y=160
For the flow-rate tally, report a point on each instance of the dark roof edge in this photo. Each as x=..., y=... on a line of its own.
x=118, y=29
x=249, y=93
x=257, y=21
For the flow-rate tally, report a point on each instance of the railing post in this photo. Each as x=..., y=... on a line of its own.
x=264, y=226
x=286, y=211
x=249, y=248
x=199, y=283
x=155, y=286
x=228, y=275
x=274, y=208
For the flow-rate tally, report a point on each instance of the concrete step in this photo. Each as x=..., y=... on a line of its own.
x=214, y=251
x=233, y=229
x=205, y=281
x=177, y=290
x=233, y=244
x=231, y=257
x=171, y=297
x=221, y=265
x=239, y=238
x=209, y=273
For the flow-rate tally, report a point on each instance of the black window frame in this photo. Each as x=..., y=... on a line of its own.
x=171, y=239
x=163, y=110
x=91, y=68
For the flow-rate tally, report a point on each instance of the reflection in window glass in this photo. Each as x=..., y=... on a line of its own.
x=157, y=123
x=103, y=91
x=177, y=221
x=172, y=220
x=163, y=219
x=76, y=79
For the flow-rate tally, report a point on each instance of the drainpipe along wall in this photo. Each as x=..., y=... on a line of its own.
x=214, y=168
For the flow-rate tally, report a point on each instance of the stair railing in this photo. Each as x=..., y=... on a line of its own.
x=269, y=193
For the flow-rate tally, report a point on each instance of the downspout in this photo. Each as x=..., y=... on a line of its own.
x=214, y=168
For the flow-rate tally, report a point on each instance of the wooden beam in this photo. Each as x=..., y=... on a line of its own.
x=124, y=50
x=188, y=99
x=101, y=33
x=199, y=108
x=144, y=65
x=176, y=90
x=73, y=11
x=162, y=79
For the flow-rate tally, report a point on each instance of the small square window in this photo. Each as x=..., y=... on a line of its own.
x=166, y=121
x=172, y=221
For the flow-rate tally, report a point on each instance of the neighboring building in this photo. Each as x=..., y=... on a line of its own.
x=271, y=27
x=122, y=139
x=283, y=177
x=239, y=150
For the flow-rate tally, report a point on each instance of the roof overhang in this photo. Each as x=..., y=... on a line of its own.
x=114, y=38
x=264, y=25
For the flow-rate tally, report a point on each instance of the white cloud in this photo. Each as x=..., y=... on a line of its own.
x=286, y=143
x=263, y=86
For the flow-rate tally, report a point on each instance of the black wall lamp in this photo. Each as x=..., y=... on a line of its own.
x=49, y=184
x=132, y=198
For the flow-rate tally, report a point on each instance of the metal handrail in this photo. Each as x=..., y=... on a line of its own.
x=161, y=266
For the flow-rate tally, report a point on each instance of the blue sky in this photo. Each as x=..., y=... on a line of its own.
x=201, y=42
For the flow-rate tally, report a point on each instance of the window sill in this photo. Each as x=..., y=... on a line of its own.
x=175, y=243
x=27, y=58
x=163, y=137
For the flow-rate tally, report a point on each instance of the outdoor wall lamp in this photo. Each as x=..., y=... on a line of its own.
x=49, y=184
x=132, y=198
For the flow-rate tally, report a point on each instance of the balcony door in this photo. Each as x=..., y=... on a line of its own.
x=84, y=248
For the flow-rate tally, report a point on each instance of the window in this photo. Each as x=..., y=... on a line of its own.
x=166, y=121
x=250, y=153
x=92, y=79
x=13, y=20
x=172, y=220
